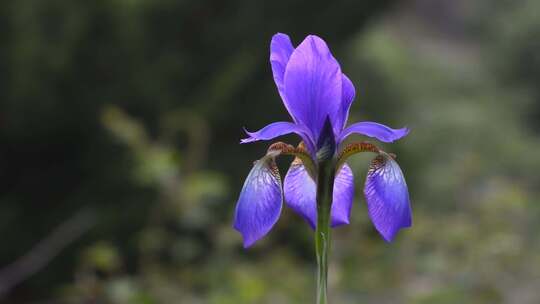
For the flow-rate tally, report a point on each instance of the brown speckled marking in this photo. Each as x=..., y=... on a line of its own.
x=283, y=148
x=274, y=168
x=377, y=163
x=357, y=148
x=300, y=153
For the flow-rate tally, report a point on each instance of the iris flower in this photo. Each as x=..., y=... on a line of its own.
x=318, y=97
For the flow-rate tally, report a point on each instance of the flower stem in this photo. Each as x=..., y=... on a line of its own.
x=325, y=185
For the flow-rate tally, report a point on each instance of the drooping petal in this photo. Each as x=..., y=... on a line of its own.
x=300, y=194
x=276, y=129
x=373, y=129
x=300, y=191
x=313, y=85
x=343, y=196
x=260, y=202
x=387, y=197
x=281, y=49
x=348, y=94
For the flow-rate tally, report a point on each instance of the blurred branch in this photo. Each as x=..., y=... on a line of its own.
x=197, y=131
x=215, y=93
x=44, y=251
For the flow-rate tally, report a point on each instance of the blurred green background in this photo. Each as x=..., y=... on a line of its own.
x=120, y=161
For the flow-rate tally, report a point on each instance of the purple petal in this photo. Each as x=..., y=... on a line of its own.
x=373, y=129
x=260, y=202
x=387, y=197
x=281, y=49
x=313, y=85
x=326, y=142
x=348, y=94
x=343, y=196
x=300, y=191
x=300, y=194
x=274, y=130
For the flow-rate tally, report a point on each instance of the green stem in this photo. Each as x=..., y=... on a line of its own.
x=325, y=185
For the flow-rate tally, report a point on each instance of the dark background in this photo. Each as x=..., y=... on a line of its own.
x=120, y=161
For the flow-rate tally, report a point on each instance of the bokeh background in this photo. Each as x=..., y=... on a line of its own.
x=120, y=161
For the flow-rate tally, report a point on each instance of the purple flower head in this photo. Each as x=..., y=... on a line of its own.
x=318, y=97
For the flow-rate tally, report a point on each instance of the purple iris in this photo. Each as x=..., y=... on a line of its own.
x=318, y=97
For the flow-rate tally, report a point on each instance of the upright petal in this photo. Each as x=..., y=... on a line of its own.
x=348, y=93
x=281, y=49
x=387, y=197
x=373, y=129
x=313, y=85
x=300, y=194
x=326, y=142
x=260, y=202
